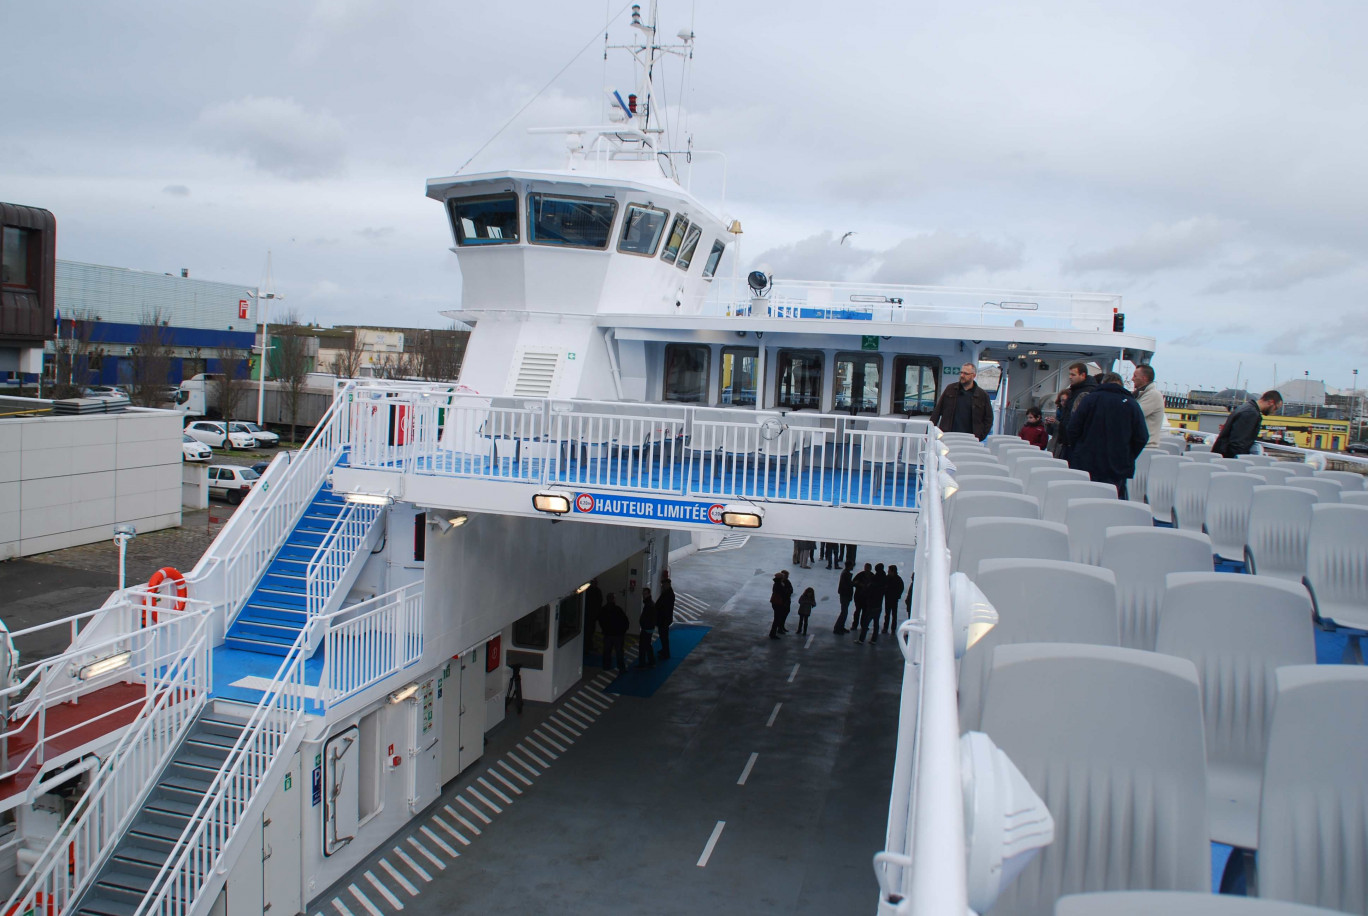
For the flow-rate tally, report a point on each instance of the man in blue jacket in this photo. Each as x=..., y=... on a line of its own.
x=1107, y=431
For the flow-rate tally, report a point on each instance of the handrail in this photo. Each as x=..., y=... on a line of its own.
x=379, y=638
x=345, y=536
x=124, y=779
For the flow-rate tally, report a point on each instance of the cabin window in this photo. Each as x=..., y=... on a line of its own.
x=799, y=382
x=915, y=380
x=489, y=220
x=18, y=257
x=534, y=630
x=690, y=246
x=574, y=222
x=569, y=620
x=739, y=368
x=686, y=373
x=714, y=258
x=677, y=233
x=857, y=383
x=642, y=228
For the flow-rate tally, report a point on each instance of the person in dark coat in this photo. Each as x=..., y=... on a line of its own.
x=850, y=554
x=831, y=552
x=876, y=598
x=893, y=589
x=593, y=606
x=665, y=614
x=614, y=621
x=1080, y=386
x=964, y=407
x=1242, y=427
x=1107, y=432
x=646, y=657
x=780, y=597
x=845, y=590
x=864, y=586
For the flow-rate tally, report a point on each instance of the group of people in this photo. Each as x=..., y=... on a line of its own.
x=833, y=553
x=873, y=591
x=655, y=620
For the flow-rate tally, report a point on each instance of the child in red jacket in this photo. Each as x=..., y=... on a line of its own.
x=1034, y=430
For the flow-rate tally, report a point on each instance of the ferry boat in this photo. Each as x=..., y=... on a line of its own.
x=256, y=733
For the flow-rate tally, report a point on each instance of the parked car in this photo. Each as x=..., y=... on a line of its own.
x=194, y=450
x=264, y=437
x=260, y=467
x=1357, y=448
x=231, y=482
x=216, y=434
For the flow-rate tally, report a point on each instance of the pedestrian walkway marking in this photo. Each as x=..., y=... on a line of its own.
x=524, y=764
x=426, y=853
x=550, y=754
x=394, y=873
x=575, y=717
x=431, y=835
x=456, y=834
x=503, y=779
x=745, y=774
x=593, y=704
x=793, y=673
x=552, y=741
x=417, y=869
x=515, y=774
x=473, y=810
x=559, y=734
x=712, y=841
x=465, y=823
x=543, y=763
x=362, y=899
x=475, y=793
x=566, y=723
x=494, y=790
x=384, y=891
x=774, y=715
x=341, y=907
x=808, y=644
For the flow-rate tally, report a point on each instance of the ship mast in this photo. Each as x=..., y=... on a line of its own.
x=649, y=54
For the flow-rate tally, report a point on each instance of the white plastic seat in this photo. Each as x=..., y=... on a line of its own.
x=948, y=438
x=1337, y=564
x=1204, y=454
x=1172, y=444
x=1089, y=519
x=1229, y=497
x=1135, y=487
x=1237, y=630
x=1178, y=903
x=1279, y=524
x=1162, y=484
x=1274, y=475
x=1189, y=498
x=1260, y=461
x=1058, y=494
x=994, y=538
x=1037, y=477
x=1327, y=491
x=1035, y=615
x=964, y=506
x=981, y=468
x=1006, y=443
x=1240, y=462
x=1298, y=468
x=1019, y=464
x=1141, y=558
x=964, y=449
x=1313, y=840
x=980, y=483
x=1354, y=497
x=1349, y=481
x=1111, y=740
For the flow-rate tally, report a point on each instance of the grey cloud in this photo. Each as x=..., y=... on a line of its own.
x=176, y=190
x=817, y=257
x=1289, y=342
x=277, y=136
x=934, y=256
x=1280, y=273
x=375, y=234
x=1188, y=243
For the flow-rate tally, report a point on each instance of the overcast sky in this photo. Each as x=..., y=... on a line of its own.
x=1205, y=160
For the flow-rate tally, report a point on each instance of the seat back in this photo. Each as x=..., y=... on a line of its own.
x=1349, y=481
x=972, y=452
x=1111, y=740
x=1313, y=842
x=1162, y=484
x=1260, y=461
x=1237, y=630
x=1037, y=477
x=1203, y=454
x=1088, y=521
x=1354, y=497
x=981, y=468
x=970, y=438
x=1029, y=613
x=1298, y=468
x=1135, y=491
x=1172, y=444
x=1020, y=464
x=988, y=538
x=1189, y=499
x=1240, y=463
x=1279, y=524
x=1337, y=563
x=1141, y=558
x=978, y=483
x=1327, y=491
x=964, y=506
x=1058, y=494
x=1003, y=447
x=1274, y=475
x=1229, y=497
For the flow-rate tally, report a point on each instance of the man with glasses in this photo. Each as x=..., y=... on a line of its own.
x=1242, y=426
x=964, y=406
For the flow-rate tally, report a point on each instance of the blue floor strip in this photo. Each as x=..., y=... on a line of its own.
x=643, y=682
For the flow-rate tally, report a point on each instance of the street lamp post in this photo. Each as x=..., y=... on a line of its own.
x=122, y=535
x=265, y=347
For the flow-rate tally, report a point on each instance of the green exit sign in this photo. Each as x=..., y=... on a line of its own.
x=869, y=342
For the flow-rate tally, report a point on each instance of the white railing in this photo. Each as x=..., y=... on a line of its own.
x=817, y=459
x=370, y=641
x=801, y=299
x=343, y=539
x=922, y=869
x=118, y=787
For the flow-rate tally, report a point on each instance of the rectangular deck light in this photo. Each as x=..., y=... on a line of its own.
x=403, y=693
x=554, y=502
x=740, y=515
x=369, y=499
x=105, y=665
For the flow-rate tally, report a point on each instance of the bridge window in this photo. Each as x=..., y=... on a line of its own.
x=489, y=220
x=915, y=381
x=739, y=368
x=857, y=383
x=641, y=229
x=799, y=381
x=534, y=630
x=686, y=373
x=569, y=619
x=690, y=246
x=678, y=230
x=574, y=222
x=714, y=258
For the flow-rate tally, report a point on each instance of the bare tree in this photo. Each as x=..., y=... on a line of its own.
x=76, y=357
x=439, y=354
x=395, y=366
x=292, y=365
x=151, y=360
x=230, y=384
x=347, y=362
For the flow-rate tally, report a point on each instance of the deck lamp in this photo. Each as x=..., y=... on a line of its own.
x=1005, y=822
x=105, y=665
x=446, y=523
x=403, y=693
x=554, y=502
x=972, y=614
x=583, y=588
x=742, y=515
x=369, y=499
x=949, y=487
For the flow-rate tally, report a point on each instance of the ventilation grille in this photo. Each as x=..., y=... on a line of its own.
x=536, y=374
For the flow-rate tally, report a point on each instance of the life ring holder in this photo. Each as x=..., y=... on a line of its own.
x=151, y=602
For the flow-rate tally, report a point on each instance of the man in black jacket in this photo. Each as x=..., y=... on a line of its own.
x=1107, y=431
x=893, y=590
x=615, y=624
x=864, y=588
x=845, y=590
x=964, y=406
x=1080, y=386
x=1242, y=426
x=665, y=614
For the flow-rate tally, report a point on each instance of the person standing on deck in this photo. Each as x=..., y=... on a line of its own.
x=864, y=585
x=845, y=590
x=1151, y=403
x=665, y=613
x=646, y=657
x=893, y=589
x=1107, y=432
x=1242, y=427
x=876, y=598
x=593, y=607
x=614, y=622
x=780, y=596
x=805, y=605
x=1080, y=386
x=1033, y=430
x=964, y=407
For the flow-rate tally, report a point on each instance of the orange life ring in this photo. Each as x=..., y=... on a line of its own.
x=37, y=907
x=151, y=601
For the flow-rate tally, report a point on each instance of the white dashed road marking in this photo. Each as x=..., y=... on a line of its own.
x=745, y=774
x=712, y=842
x=774, y=715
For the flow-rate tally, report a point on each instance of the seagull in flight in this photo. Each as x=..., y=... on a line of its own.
x=846, y=236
